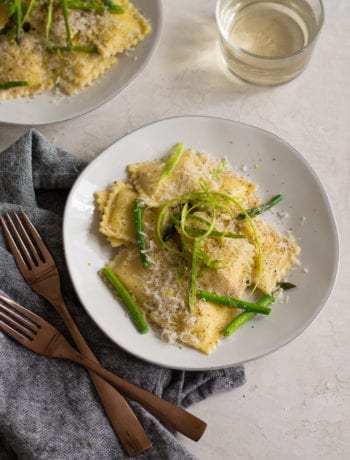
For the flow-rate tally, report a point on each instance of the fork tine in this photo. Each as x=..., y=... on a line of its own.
x=29, y=242
x=21, y=262
x=9, y=316
x=13, y=333
x=22, y=319
x=24, y=311
x=36, y=236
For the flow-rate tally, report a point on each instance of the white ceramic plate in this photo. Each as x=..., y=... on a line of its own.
x=48, y=108
x=270, y=162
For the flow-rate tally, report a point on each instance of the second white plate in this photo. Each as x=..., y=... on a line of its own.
x=47, y=108
x=268, y=161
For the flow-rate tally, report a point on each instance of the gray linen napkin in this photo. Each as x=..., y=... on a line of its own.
x=48, y=408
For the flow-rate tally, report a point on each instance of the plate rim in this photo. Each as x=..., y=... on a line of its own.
x=326, y=200
x=152, y=50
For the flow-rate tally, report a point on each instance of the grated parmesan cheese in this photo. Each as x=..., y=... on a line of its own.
x=161, y=292
x=67, y=71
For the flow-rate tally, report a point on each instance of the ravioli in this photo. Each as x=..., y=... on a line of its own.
x=79, y=70
x=186, y=178
x=201, y=330
x=48, y=56
x=278, y=254
x=119, y=32
x=210, y=195
x=28, y=62
x=117, y=219
x=116, y=206
x=237, y=260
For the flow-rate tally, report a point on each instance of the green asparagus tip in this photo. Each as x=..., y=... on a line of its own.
x=172, y=161
x=285, y=285
x=113, y=8
x=116, y=9
x=260, y=209
x=13, y=84
x=128, y=300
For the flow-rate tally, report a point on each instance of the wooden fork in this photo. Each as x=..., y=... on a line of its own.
x=40, y=271
x=38, y=335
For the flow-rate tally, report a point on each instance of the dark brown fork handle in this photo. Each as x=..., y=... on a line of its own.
x=41, y=337
x=106, y=392
x=182, y=421
x=42, y=275
x=179, y=419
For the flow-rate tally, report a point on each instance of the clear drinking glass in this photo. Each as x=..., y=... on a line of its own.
x=268, y=42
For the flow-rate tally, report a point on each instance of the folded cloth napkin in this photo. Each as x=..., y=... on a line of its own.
x=49, y=408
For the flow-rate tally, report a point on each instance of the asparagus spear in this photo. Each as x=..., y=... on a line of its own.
x=238, y=322
x=172, y=162
x=86, y=6
x=241, y=319
x=285, y=285
x=94, y=6
x=140, y=238
x=246, y=316
x=28, y=11
x=256, y=307
x=260, y=209
x=66, y=21
x=128, y=300
x=48, y=23
x=12, y=84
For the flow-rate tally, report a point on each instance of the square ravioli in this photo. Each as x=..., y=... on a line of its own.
x=186, y=177
x=190, y=233
x=64, y=49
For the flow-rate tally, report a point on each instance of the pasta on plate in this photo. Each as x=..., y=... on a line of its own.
x=197, y=236
x=66, y=44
